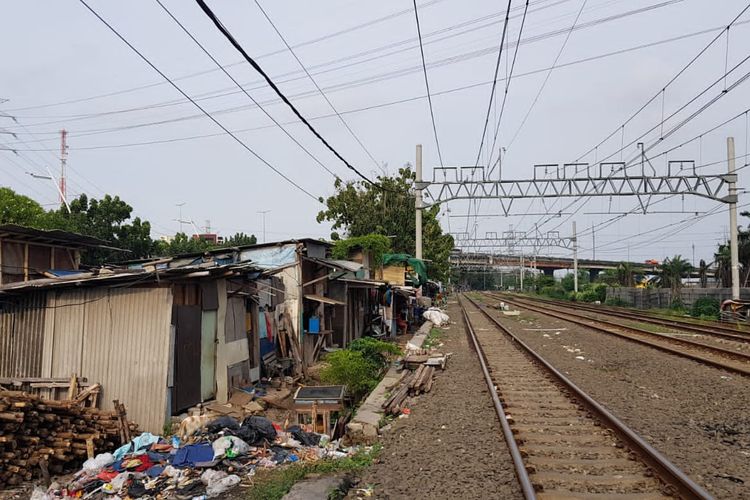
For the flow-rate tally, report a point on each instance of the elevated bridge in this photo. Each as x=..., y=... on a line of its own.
x=548, y=265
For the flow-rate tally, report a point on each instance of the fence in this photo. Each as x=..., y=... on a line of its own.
x=646, y=298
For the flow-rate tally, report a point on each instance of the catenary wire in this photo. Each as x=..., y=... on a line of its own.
x=354, y=110
x=427, y=84
x=256, y=103
x=224, y=31
x=314, y=82
x=176, y=87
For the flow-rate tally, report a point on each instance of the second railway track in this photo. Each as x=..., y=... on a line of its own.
x=734, y=361
x=564, y=444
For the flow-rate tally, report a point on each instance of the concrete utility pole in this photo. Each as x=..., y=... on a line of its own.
x=521, y=272
x=733, y=250
x=575, y=259
x=418, y=203
x=264, y=212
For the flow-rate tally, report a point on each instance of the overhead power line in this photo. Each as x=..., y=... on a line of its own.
x=380, y=105
x=214, y=94
x=341, y=118
x=427, y=84
x=224, y=31
x=224, y=70
x=494, y=82
x=176, y=87
x=654, y=97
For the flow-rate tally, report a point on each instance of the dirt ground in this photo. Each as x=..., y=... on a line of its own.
x=696, y=415
x=451, y=446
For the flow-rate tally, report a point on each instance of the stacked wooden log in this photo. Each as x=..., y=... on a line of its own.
x=38, y=436
x=410, y=384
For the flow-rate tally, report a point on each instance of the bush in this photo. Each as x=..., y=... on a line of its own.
x=352, y=369
x=553, y=292
x=375, y=351
x=677, y=305
x=705, y=307
x=616, y=301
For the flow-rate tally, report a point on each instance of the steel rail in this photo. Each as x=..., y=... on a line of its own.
x=587, y=321
x=666, y=470
x=521, y=473
x=715, y=330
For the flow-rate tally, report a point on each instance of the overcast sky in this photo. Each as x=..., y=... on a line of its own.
x=134, y=135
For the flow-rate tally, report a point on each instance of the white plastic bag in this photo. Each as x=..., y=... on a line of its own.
x=210, y=476
x=229, y=446
x=221, y=486
x=98, y=462
x=436, y=316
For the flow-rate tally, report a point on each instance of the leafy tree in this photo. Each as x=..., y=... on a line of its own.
x=377, y=244
x=568, y=282
x=19, y=209
x=723, y=258
x=359, y=208
x=108, y=219
x=240, y=239
x=182, y=244
x=625, y=274
x=671, y=272
x=703, y=273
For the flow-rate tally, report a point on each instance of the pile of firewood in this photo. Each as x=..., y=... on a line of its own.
x=39, y=436
x=411, y=383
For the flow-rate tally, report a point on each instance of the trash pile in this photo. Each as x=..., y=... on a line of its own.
x=436, y=316
x=213, y=459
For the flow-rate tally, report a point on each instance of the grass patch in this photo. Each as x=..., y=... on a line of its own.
x=273, y=484
x=433, y=338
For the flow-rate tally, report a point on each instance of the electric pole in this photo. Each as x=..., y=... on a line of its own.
x=63, y=164
x=264, y=212
x=733, y=250
x=418, y=203
x=575, y=259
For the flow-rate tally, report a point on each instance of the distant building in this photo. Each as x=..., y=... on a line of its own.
x=212, y=238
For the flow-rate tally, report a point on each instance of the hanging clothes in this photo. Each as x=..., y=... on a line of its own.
x=262, y=324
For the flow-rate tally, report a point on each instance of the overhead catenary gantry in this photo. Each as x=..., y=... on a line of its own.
x=584, y=180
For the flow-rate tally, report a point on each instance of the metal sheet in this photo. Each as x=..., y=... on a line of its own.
x=208, y=354
x=21, y=336
x=117, y=337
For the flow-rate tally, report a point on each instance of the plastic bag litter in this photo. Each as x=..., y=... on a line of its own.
x=221, y=423
x=98, y=462
x=217, y=488
x=229, y=447
x=306, y=438
x=38, y=494
x=255, y=430
x=119, y=480
x=211, y=476
x=436, y=316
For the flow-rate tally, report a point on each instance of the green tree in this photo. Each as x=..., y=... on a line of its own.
x=181, y=244
x=108, y=219
x=671, y=272
x=625, y=274
x=240, y=239
x=359, y=208
x=722, y=258
x=19, y=209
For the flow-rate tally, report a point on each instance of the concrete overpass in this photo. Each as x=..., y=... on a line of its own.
x=548, y=265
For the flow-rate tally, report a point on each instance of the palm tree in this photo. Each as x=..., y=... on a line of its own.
x=703, y=273
x=625, y=273
x=672, y=271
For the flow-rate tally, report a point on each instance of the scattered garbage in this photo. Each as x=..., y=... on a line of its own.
x=436, y=316
x=212, y=460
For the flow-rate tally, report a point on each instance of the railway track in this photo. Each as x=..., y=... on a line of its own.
x=719, y=357
x=564, y=444
x=718, y=330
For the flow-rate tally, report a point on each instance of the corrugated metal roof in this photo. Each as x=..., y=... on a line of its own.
x=54, y=236
x=21, y=336
x=117, y=337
